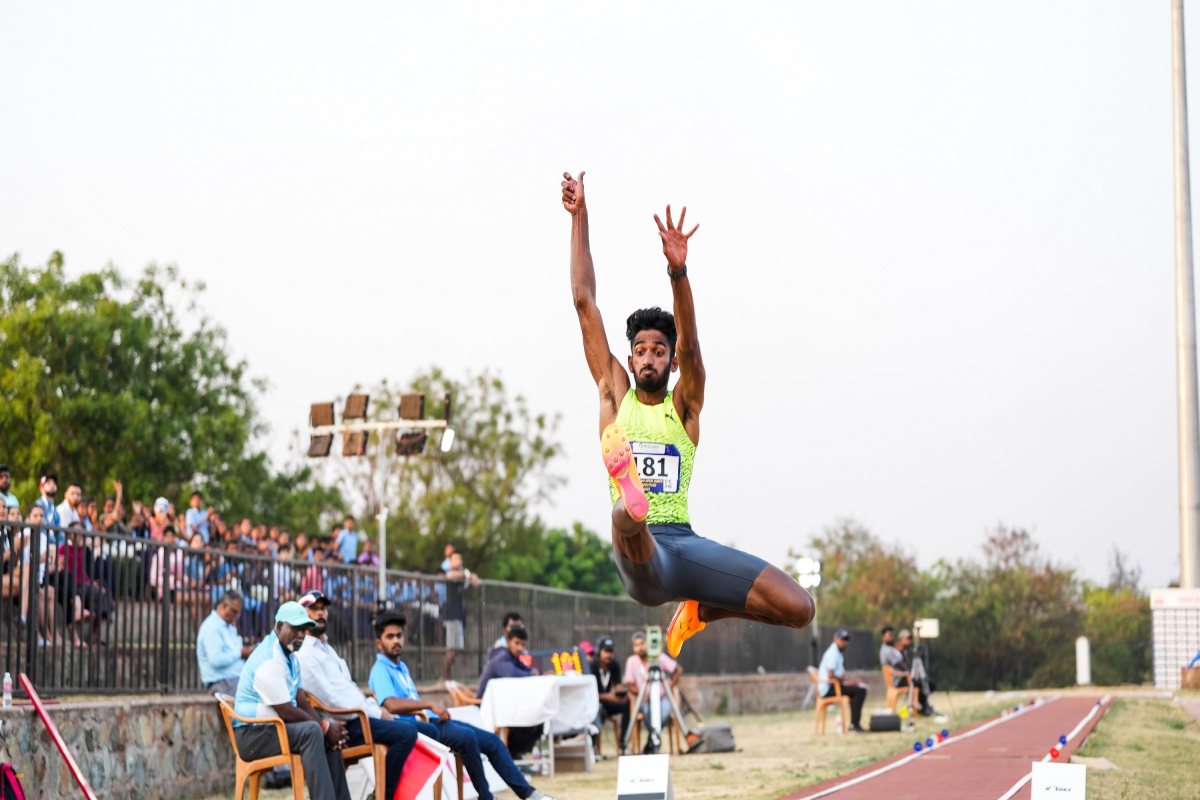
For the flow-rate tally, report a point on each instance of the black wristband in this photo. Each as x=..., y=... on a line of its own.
x=677, y=276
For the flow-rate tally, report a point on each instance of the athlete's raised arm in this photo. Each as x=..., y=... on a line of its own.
x=611, y=378
x=689, y=391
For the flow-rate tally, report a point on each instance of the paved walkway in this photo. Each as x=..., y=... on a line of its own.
x=986, y=761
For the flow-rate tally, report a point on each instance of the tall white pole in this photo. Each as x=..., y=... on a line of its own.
x=381, y=518
x=1185, y=324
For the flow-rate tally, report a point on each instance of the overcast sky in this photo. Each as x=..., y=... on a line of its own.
x=933, y=275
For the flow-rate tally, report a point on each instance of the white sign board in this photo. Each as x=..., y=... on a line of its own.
x=644, y=778
x=1063, y=781
x=926, y=628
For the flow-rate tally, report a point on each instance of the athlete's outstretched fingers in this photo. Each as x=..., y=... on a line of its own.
x=682, y=214
x=691, y=232
x=670, y=225
x=661, y=230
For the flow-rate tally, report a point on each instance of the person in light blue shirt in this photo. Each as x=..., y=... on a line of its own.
x=832, y=672
x=197, y=519
x=219, y=647
x=394, y=689
x=347, y=541
x=270, y=687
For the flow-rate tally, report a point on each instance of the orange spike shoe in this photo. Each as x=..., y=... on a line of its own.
x=618, y=460
x=684, y=625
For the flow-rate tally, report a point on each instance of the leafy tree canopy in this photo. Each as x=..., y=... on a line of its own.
x=105, y=379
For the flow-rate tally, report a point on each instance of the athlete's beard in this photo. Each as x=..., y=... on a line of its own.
x=655, y=384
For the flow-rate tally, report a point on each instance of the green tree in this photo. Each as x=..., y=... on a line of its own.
x=865, y=582
x=1010, y=621
x=107, y=379
x=1117, y=625
x=576, y=559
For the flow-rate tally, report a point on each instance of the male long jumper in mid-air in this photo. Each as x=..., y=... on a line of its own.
x=648, y=438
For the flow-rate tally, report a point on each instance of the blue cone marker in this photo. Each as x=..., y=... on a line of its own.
x=917, y=746
x=1062, y=740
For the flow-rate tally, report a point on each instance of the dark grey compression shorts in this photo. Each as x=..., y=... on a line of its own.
x=689, y=567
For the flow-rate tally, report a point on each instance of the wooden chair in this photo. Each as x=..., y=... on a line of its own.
x=616, y=725
x=252, y=770
x=461, y=695
x=893, y=692
x=823, y=703
x=352, y=755
x=378, y=752
x=674, y=739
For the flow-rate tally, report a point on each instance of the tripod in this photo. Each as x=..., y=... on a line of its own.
x=655, y=688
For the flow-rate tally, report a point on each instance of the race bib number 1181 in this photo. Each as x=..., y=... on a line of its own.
x=657, y=465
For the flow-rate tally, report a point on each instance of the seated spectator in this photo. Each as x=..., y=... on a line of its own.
x=505, y=662
x=395, y=690
x=166, y=564
x=637, y=672
x=833, y=665
x=196, y=518
x=219, y=648
x=895, y=658
x=47, y=556
x=511, y=619
x=270, y=686
x=327, y=678
x=614, y=697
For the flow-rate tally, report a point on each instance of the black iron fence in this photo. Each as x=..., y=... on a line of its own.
x=96, y=613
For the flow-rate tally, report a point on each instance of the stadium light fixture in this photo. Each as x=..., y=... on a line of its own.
x=412, y=444
x=320, y=414
x=356, y=406
x=809, y=570
x=320, y=445
x=354, y=444
x=412, y=406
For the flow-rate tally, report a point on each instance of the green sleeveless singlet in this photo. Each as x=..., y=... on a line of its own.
x=663, y=455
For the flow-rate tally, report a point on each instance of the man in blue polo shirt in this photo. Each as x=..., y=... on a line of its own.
x=395, y=690
x=833, y=669
x=270, y=686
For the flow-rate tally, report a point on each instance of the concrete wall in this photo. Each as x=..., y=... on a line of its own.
x=759, y=694
x=153, y=748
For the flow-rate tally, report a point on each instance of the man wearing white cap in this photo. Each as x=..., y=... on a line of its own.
x=271, y=686
x=327, y=678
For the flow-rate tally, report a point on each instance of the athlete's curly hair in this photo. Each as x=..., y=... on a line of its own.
x=652, y=319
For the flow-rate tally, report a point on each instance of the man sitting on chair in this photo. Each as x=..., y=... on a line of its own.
x=614, y=697
x=327, y=678
x=893, y=656
x=394, y=688
x=270, y=686
x=833, y=665
x=505, y=662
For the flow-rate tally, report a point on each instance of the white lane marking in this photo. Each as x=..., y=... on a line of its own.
x=950, y=740
x=1029, y=776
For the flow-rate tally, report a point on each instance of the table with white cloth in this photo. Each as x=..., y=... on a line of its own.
x=568, y=702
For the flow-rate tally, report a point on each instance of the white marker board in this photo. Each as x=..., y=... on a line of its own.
x=644, y=778
x=1061, y=781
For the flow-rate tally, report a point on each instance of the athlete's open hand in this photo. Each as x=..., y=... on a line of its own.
x=572, y=193
x=674, y=240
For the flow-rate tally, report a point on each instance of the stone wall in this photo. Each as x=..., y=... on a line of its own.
x=153, y=748
x=759, y=694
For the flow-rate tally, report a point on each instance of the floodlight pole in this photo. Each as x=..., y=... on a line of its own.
x=1185, y=324
x=381, y=465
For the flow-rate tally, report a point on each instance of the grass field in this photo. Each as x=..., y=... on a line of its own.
x=1154, y=742
x=1156, y=745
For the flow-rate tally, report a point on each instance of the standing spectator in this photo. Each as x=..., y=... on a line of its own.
x=10, y=499
x=511, y=619
x=67, y=514
x=637, y=672
x=449, y=550
x=245, y=532
x=302, y=552
x=219, y=648
x=197, y=520
x=454, y=611
x=161, y=520
x=48, y=486
x=833, y=668
x=314, y=576
x=83, y=510
x=47, y=598
x=614, y=697
x=270, y=686
x=347, y=541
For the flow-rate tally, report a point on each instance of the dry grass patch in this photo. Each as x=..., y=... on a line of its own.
x=1155, y=743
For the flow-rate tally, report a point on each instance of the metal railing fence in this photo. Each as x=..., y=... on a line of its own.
x=96, y=613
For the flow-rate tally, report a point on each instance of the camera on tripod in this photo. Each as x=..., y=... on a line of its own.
x=653, y=691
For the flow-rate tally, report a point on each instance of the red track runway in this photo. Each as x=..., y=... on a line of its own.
x=988, y=761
